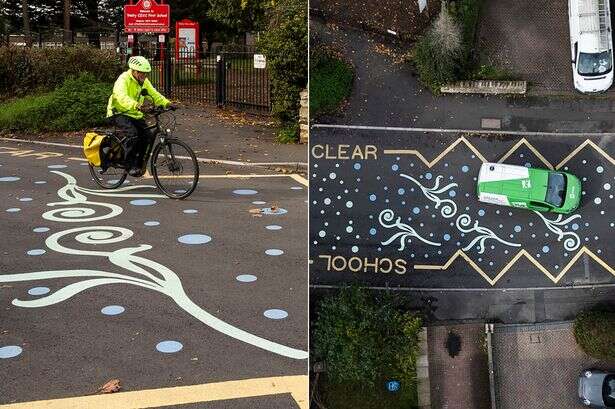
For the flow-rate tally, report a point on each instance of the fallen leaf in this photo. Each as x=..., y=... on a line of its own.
x=110, y=387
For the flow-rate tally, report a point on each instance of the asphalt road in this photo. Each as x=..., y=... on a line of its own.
x=399, y=209
x=155, y=292
x=387, y=92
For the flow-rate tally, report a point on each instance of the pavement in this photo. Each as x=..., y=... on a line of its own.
x=387, y=92
x=214, y=134
x=195, y=303
x=541, y=363
x=462, y=380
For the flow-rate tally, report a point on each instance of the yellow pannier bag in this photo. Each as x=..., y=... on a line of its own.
x=92, y=144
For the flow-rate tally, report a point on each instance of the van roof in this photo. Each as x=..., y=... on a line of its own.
x=512, y=181
x=594, y=26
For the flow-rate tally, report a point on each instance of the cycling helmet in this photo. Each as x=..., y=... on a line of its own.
x=139, y=63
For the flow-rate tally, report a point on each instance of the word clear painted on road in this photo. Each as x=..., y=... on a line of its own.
x=400, y=209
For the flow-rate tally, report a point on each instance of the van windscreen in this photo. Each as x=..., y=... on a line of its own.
x=556, y=189
x=594, y=63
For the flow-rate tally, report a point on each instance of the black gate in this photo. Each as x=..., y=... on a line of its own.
x=226, y=78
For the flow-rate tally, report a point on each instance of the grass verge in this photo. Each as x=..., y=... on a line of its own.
x=330, y=82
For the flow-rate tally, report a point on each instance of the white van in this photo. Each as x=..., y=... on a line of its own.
x=591, y=44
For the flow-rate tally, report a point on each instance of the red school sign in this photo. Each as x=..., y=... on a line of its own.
x=147, y=16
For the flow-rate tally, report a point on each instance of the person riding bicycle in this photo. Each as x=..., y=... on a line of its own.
x=123, y=107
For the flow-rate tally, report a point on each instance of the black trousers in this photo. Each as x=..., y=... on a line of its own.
x=137, y=138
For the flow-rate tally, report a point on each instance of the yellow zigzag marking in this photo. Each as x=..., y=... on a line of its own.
x=513, y=261
x=440, y=156
x=523, y=141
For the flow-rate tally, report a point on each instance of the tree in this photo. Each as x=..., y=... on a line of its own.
x=240, y=16
x=26, y=22
x=285, y=45
x=68, y=36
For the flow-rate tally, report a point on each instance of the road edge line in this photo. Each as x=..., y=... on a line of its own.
x=295, y=165
x=452, y=130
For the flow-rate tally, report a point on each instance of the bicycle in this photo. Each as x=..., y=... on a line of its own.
x=168, y=155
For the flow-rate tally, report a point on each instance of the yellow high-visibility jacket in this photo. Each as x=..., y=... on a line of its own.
x=126, y=98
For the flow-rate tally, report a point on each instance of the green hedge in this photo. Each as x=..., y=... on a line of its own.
x=594, y=331
x=25, y=71
x=78, y=103
x=285, y=45
x=330, y=82
x=365, y=339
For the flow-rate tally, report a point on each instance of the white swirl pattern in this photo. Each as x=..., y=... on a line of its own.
x=464, y=221
x=450, y=208
x=570, y=243
x=405, y=235
x=147, y=273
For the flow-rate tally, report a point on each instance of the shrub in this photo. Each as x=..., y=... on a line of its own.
x=438, y=53
x=285, y=45
x=467, y=13
x=363, y=339
x=29, y=70
x=594, y=331
x=77, y=104
x=330, y=82
x=288, y=134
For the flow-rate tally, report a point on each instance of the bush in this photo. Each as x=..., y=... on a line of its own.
x=330, y=82
x=438, y=53
x=467, y=13
x=288, y=134
x=594, y=331
x=363, y=339
x=285, y=45
x=77, y=104
x=29, y=70
x=445, y=53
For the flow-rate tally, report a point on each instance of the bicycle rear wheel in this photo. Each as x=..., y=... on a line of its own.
x=109, y=179
x=175, y=168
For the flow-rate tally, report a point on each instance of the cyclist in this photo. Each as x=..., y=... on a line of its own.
x=128, y=96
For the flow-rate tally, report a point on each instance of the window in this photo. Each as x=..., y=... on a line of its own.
x=594, y=63
x=608, y=390
x=556, y=189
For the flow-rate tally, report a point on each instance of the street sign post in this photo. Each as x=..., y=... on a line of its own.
x=147, y=16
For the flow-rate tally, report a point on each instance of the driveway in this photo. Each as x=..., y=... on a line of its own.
x=530, y=39
x=537, y=366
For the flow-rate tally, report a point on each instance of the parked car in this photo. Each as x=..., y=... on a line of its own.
x=591, y=44
x=597, y=388
x=529, y=188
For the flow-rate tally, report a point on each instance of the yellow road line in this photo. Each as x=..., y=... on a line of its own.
x=513, y=261
x=296, y=386
x=523, y=141
x=299, y=179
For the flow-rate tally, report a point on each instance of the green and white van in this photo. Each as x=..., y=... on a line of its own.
x=535, y=189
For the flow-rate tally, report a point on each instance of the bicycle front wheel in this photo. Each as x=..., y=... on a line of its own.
x=109, y=179
x=175, y=168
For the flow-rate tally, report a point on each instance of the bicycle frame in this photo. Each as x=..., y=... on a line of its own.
x=158, y=136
